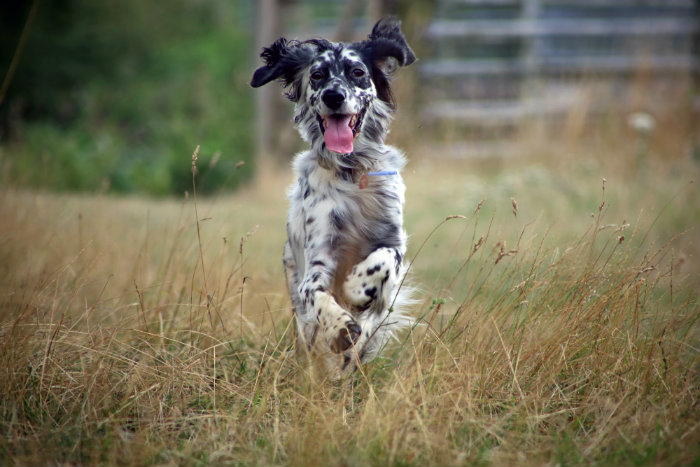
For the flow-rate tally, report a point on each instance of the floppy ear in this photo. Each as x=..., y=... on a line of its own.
x=387, y=41
x=283, y=60
x=384, y=50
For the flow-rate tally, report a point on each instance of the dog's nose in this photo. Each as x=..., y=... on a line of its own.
x=333, y=99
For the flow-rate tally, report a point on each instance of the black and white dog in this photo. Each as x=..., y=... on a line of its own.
x=346, y=243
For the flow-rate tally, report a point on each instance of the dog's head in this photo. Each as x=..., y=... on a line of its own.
x=341, y=90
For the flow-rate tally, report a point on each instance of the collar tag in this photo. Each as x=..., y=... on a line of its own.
x=363, y=182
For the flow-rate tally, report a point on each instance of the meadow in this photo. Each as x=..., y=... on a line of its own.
x=557, y=323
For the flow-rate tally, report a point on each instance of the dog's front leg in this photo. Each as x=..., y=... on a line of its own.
x=335, y=324
x=337, y=327
x=371, y=282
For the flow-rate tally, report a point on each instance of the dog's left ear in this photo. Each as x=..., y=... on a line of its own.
x=384, y=50
x=386, y=46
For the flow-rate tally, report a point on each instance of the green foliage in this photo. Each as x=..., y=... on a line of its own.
x=118, y=94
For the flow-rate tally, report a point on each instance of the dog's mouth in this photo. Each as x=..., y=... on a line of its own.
x=340, y=130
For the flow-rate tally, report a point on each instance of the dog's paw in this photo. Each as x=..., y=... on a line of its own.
x=359, y=289
x=368, y=279
x=339, y=328
x=346, y=337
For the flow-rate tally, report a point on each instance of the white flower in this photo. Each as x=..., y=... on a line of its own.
x=641, y=122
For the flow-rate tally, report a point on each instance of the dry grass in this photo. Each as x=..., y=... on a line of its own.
x=561, y=334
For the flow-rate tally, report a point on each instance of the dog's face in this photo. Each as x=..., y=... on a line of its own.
x=335, y=85
x=339, y=92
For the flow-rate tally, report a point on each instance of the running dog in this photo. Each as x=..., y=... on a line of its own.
x=345, y=238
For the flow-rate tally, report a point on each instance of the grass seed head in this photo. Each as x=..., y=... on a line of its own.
x=478, y=206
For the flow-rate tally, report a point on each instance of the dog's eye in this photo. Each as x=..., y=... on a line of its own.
x=316, y=75
x=358, y=72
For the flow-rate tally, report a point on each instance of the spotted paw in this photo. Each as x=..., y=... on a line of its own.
x=367, y=281
x=347, y=337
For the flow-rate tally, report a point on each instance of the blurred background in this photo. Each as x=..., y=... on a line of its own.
x=113, y=96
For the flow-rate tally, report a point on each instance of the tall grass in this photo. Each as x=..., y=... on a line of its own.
x=559, y=328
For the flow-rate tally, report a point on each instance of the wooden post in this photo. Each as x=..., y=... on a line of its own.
x=530, y=81
x=344, y=31
x=375, y=10
x=268, y=30
x=530, y=13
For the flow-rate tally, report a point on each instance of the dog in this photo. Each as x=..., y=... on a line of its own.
x=345, y=239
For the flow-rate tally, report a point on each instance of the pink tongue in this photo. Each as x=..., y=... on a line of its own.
x=338, y=134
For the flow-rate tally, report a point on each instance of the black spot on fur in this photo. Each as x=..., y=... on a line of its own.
x=302, y=115
x=398, y=259
x=332, y=242
x=345, y=174
x=373, y=130
x=371, y=292
x=386, y=277
x=338, y=219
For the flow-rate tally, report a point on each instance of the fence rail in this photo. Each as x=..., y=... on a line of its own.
x=524, y=28
x=487, y=54
x=557, y=65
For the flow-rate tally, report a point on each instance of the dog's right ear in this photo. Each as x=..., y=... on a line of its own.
x=284, y=60
x=273, y=68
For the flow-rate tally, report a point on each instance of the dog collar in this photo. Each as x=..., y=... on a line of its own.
x=364, y=178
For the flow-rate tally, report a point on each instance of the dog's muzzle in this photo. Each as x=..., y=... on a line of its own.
x=339, y=129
